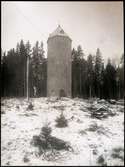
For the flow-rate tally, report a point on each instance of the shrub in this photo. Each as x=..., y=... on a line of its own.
x=59, y=144
x=36, y=141
x=82, y=132
x=121, y=110
x=93, y=127
x=30, y=106
x=17, y=107
x=2, y=112
x=98, y=129
x=79, y=121
x=95, y=151
x=118, y=153
x=61, y=121
x=45, y=131
x=8, y=163
x=42, y=141
x=46, y=142
x=100, y=113
x=101, y=161
x=25, y=159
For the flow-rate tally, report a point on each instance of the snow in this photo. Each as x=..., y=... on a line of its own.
x=19, y=125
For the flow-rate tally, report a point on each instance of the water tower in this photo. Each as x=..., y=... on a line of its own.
x=59, y=64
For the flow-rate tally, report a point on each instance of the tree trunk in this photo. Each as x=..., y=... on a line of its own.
x=90, y=90
x=119, y=91
x=27, y=78
x=80, y=81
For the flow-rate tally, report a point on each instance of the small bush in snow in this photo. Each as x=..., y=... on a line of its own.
x=59, y=144
x=100, y=113
x=82, y=132
x=121, y=110
x=17, y=107
x=42, y=141
x=93, y=127
x=98, y=129
x=79, y=121
x=101, y=161
x=25, y=159
x=95, y=151
x=45, y=131
x=61, y=121
x=46, y=142
x=74, y=104
x=30, y=106
x=8, y=163
x=118, y=153
x=2, y=112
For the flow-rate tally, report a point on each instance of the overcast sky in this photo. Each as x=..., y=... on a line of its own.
x=90, y=24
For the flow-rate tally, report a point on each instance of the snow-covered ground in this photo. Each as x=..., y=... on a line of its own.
x=19, y=125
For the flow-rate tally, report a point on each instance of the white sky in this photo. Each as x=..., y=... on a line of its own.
x=90, y=24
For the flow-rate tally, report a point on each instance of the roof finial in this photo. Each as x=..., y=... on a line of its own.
x=58, y=23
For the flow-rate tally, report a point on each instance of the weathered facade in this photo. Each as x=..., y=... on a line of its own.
x=59, y=64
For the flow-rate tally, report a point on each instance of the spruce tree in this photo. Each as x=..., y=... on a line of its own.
x=90, y=73
x=98, y=68
x=37, y=62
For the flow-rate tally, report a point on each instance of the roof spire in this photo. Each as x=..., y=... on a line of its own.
x=59, y=23
x=58, y=32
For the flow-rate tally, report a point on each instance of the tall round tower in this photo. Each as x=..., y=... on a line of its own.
x=59, y=64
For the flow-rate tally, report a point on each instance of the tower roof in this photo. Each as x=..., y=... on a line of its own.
x=58, y=32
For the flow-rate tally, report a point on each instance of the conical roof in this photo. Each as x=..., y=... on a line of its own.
x=58, y=32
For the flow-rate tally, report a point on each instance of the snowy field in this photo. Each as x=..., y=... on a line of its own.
x=94, y=141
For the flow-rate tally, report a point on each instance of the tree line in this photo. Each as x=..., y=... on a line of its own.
x=90, y=77
x=13, y=71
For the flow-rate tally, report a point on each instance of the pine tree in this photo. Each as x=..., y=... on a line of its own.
x=78, y=72
x=80, y=56
x=37, y=62
x=102, y=81
x=11, y=65
x=76, y=67
x=22, y=64
x=28, y=53
x=90, y=73
x=98, y=68
x=120, y=78
x=18, y=71
x=74, y=72
x=110, y=80
x=4, y=75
